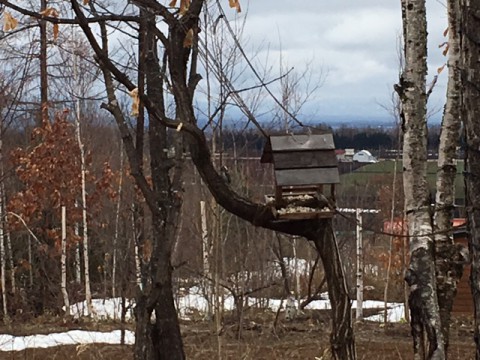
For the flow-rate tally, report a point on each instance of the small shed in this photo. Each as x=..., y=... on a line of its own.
x=303, y=166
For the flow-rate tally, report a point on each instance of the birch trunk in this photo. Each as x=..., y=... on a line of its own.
x=43, y=57
x=423, y=303
x=206, y=259
x=2, y=240
x=448, y=262
x=2, y=264
x=9, y=253
x=117, y=224
x=136, y=253
x=471, y=113
x=83, y=203
x=10, y=258
x=63, y=262
x=78, y=265
x=359, y=309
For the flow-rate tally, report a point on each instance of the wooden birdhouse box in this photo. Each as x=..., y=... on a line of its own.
x=304, y=167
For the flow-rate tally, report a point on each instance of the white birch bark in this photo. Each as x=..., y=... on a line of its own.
x=206, y=258
x=3, y=258
x=448, y=260
x=2, y=266
x=425, y=318
x=78, y=265
x=138, y=268
x=83, y=203
x=136, y=253
x=359, y=308
x=63, y=262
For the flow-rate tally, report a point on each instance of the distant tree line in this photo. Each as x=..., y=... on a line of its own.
x=249, y=142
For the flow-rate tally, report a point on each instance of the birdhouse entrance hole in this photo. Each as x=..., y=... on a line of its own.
x=304, y=167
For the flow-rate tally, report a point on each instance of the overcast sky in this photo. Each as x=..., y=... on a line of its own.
x=353, y=41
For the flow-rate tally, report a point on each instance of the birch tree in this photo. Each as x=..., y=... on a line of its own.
x=449, y=259
x=83, y=203
x=470, y=77
x=423, y=303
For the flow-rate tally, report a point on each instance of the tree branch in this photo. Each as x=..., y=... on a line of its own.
x=54, y=20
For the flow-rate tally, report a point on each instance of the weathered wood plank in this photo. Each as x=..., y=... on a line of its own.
x=306, y=215
x=298, y=177
x=305, y=159
x=302, y=142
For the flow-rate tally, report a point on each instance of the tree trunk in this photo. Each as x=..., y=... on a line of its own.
x=423, y=303
x=342, y=337
x=83, y=204
x=117, y=225
x=63, y=262
x=161, y=338
x=43, y=68
x=448, y=266
x=471, y=114
x=3, y=263
x=78, y=264
x=360, y=267
x=158, y=338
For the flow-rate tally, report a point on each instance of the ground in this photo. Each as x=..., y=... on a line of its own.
x=304, y=339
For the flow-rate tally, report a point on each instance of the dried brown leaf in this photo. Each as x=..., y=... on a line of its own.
x=184, y=6
x=9, y=22
x=136, y=101
x=50, y=11
x=188, y=41
x=445, y=51
x=440, y=69
x=55, y=32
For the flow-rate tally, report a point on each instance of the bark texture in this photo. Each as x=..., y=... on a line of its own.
x=423, y=303
x=448, y=257
x=342, y=337
x=471, y=113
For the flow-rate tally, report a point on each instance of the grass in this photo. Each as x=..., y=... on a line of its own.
x=381, y=173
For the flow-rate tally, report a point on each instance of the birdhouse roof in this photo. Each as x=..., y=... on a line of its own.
x=301, y=160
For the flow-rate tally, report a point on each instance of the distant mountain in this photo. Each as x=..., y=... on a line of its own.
x=361, y=121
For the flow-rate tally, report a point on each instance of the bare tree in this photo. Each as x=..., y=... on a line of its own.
x=470, y=76
x=449, y=259
x=423, y=302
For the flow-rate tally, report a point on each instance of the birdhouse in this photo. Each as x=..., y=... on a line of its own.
x=304, y=167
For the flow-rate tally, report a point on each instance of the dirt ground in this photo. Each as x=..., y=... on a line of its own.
x=304, y=339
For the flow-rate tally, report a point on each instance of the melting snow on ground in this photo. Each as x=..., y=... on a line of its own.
x=194, y=301
x=73, y=337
